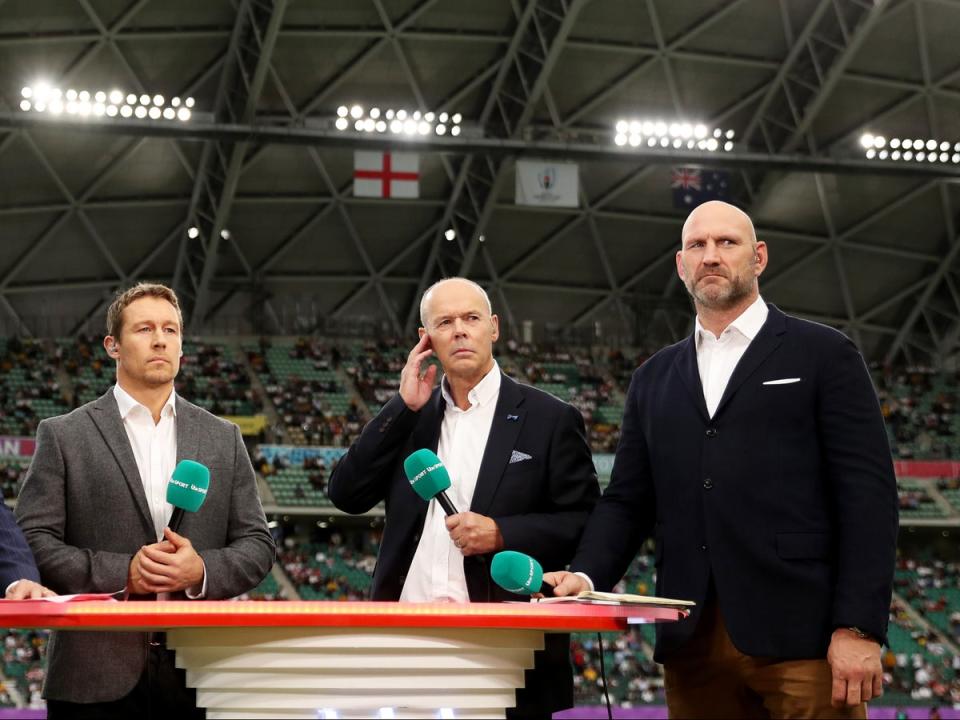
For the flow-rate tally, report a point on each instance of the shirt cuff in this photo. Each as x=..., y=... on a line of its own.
x=587, y=578
x=192, y=594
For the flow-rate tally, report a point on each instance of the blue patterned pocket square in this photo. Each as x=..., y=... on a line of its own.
x=518, y=456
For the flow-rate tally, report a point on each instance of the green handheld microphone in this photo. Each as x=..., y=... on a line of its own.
x=187, y=489
x=518, y=573
x=429, y=478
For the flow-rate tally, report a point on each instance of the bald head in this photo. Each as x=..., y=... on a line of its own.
x=718, y=213
x=469, y=286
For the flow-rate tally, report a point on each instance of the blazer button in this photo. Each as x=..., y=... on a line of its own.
x=711, y=432
x=707, y=484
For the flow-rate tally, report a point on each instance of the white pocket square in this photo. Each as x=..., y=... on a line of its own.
x=782, y=381
x=517, y=456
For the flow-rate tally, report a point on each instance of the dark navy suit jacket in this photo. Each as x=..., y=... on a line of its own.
x=786, y=498
x=16, y=560
x=540, y=504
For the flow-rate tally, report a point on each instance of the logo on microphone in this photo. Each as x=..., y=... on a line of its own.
x=188, y=486
x=423, y=473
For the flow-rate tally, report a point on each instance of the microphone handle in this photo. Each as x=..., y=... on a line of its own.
x=176, y=519
x=445, y=503
x=546, y=589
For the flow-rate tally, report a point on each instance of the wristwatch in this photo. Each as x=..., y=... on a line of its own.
x=862, y=634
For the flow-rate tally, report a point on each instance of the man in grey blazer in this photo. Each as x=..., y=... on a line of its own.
x=93, y=508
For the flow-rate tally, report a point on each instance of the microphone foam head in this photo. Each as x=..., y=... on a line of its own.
x=516, y=572
x=426, y=473
x=188, y=486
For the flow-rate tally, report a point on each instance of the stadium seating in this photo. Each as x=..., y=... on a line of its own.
x=29, y=386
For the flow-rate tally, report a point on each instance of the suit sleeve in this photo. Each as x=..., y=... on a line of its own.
x=42, y=513
x=362, y=477
x=551, y=534
x=864, y=489
x=16, y=560
x=249, y=553
x=625, y=514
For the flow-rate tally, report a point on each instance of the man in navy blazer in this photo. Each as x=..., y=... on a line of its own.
x=18, y=572
x=754, y=452
x=521, y=471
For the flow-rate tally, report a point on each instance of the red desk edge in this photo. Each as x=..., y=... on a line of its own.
x=98, y=615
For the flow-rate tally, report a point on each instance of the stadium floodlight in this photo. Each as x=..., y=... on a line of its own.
x=42, y=97
x=225, y=234
x=183, y=114
x=675, y=133
x=931, y=150
x=189, y=102
x=450, y=234
x=193, y=233
x=410, y=123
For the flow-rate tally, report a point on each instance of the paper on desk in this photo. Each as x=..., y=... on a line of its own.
x=593, y=597
x=80, y=597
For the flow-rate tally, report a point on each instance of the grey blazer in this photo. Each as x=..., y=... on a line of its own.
x=85, y=515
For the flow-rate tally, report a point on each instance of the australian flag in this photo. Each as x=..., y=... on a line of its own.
x=692, y=187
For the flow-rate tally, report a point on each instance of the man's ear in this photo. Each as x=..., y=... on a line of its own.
x=111, y=346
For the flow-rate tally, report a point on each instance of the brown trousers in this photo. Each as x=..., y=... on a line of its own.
x=709, y=678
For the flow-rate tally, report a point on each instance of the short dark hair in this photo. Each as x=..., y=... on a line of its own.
x=125, y=297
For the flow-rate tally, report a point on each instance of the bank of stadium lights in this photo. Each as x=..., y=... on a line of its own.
x=878, y=147
x=43, y=98
x=397, y=122
x=676, y=135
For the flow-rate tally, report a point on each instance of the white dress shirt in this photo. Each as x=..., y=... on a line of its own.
x=155, y=451
x=717, y=357
x=436, y=573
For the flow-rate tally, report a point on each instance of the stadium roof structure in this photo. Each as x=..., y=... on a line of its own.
x=91, y=203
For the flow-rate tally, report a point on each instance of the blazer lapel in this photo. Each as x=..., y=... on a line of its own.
x=689, y=372
x=766, y=341
x=106, y=416
x=508, y=419
x=188, y=438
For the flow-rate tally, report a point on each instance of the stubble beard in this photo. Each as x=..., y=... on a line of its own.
x=720, y=297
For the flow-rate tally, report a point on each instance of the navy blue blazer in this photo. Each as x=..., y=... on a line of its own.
x=786, y=498
x=16, y=560
x=540, y=504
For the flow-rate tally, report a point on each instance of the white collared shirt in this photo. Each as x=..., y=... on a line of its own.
x=155, y=450
x=436, y=573
x=717, y=357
